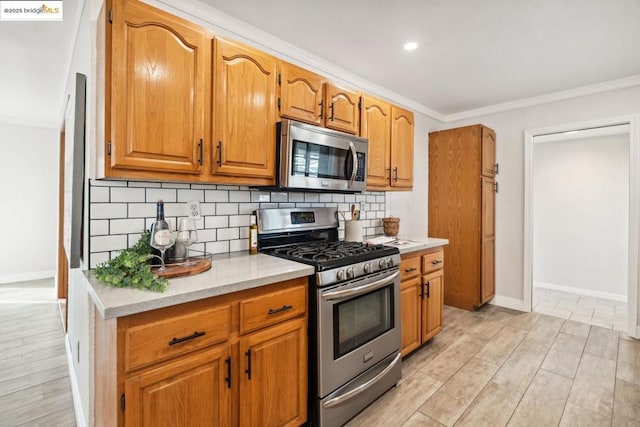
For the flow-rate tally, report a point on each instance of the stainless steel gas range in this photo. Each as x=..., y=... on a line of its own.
x=354, y=310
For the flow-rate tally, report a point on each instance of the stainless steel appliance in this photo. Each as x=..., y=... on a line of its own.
x=316, y=159
x=354, y=310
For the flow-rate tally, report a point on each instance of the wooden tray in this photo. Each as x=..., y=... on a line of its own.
x=178, y=270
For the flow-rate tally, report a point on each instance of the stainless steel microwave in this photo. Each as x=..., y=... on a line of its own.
x=317, y=159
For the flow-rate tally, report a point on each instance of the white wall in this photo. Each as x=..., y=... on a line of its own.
x=581, y=213
x=510, y=127
x=29, y=200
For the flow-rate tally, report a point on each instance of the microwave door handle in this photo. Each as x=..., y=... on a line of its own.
x=360, y=290
x=355, y=163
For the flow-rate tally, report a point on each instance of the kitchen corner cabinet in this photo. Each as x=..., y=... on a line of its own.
x=156, y=92
x=462, y=191
x=244, y=117
x=389, y=130
x=421, y=297
x=236, y=359
x=301, y=94
x=342, y=109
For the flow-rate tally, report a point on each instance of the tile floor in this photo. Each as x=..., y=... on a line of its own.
x=34, y=375
x=499, y=367
x=594, y=311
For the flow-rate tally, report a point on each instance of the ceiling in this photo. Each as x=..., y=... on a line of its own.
x=472, y=54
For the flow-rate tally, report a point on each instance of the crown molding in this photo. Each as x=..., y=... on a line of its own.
x=548, y=98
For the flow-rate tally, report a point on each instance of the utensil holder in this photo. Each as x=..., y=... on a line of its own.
x=353, y=231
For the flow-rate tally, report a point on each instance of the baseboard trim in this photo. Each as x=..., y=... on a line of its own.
x=512, y=303
x=77, y=402
x=24, y=277
x=580, y=291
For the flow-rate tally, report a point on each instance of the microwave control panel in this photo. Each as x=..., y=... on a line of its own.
x=360, y=172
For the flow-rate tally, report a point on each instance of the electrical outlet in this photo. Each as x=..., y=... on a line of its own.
x=193, y=209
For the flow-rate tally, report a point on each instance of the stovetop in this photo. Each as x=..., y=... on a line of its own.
x=332, y=254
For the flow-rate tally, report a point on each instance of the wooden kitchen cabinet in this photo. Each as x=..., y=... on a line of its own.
x=389, y=130
x=156, y=96
x=301, y=94
x=244, y=117
x=421, y=297
x=195, y=364
x=462, y=209
x=342, y=109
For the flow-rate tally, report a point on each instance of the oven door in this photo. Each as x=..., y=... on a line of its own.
x=321, y=159
x=358, y=326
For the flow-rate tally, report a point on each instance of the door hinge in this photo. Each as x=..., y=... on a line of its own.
x=278, y=104
x=279, y=79
x=109, y=148
x=122, y=402
x=110, y=15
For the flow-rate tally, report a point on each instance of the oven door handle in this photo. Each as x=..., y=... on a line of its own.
x=359, y=290
x=355, y=162
x=362, y=387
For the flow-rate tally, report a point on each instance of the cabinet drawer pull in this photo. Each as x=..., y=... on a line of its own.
x=228, y=378
x=436, y=262
x=409, y=270
x=248, y=370
x=196, y=334
x=279, y=310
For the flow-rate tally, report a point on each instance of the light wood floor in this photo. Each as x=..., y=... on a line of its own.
x=34, y=375
x=498, y=367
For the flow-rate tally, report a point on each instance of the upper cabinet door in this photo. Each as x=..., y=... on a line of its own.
x=157, y=91
x=244, y=112
x=341, y=108
x=488, y=152
x=376, y=127
x=402, y=152
x=301, y=94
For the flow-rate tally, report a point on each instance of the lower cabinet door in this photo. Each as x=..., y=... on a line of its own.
x=190, y=391
x=273, y=382
x=432, y=304
x=410, y=301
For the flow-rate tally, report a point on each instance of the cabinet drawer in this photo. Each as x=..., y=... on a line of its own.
x=432, y=262
x=409, y=267
x=274, y=307
x=156, y=341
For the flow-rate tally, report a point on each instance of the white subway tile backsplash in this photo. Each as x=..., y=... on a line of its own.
x=188, y=195
x=127, y=195
x=125, y=226
x=239, y=196
x=107, y=243
x=108, y=210
x=119, y=210
x=99, y=194
x=167, y=195
x=99, y=227
x=216, y=196
x=216, y=222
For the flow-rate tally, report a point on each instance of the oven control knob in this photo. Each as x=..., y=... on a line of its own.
x=351, y=273
x=367, y=268
x=389, y=263
x=381, y=264
x=341, y=275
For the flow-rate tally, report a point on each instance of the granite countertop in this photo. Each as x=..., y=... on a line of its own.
x=407, y=243
x=229, y=273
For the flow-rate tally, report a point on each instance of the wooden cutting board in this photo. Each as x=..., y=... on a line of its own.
x=179, y=270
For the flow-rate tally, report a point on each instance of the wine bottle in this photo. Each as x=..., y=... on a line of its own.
x=253, y=236
x=154, y=250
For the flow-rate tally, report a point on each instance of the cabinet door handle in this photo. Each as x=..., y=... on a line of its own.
x=331, y=108
x=200, y=144
x=248, y=370
x=436, y=262
x=196, y=334
x=409, y=270
x=496, y=168
x=495, y=187
x=389, y=170
x=228, y=378
x=279, y=310
x=395, y=172
x=219, y=153
x=421, y=292
x=428, y=289
x=321, y=109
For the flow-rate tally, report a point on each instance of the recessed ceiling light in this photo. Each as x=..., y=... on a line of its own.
x=410, y=46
